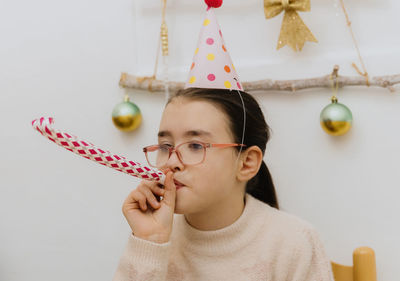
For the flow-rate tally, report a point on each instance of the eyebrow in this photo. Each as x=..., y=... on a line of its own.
x=191, y=133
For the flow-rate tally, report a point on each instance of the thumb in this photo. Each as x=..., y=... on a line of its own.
x=170, y=190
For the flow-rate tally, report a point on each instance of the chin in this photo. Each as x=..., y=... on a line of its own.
x=179, y=209
x=178, y=212
x=183, y=206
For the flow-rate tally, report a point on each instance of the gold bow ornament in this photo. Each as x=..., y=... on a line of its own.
x=293, y=30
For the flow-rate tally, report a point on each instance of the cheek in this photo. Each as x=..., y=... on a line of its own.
x=216, y=174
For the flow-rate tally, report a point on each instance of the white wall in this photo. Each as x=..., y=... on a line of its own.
x=60, y=214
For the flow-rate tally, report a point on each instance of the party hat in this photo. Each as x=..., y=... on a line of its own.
x=212, y=65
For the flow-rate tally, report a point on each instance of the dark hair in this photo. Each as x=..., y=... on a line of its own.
x=256, y=132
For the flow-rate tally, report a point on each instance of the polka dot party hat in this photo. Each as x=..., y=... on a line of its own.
x=212, y=66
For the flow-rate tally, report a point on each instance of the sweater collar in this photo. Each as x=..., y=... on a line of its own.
x=228, y=239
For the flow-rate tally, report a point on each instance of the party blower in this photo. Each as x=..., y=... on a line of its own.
x=91, y=152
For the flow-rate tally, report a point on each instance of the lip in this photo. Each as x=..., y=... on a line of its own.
x=178, y=184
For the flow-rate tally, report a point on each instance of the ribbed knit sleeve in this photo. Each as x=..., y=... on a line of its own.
x=309, y=261
x=143, y=260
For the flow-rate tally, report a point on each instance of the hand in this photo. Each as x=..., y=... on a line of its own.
x=148, y=218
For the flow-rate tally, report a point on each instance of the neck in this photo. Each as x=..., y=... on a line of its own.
x=219, y=216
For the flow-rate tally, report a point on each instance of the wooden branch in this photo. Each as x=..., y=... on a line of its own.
x=153, y=85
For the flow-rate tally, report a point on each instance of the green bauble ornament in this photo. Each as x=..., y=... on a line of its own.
x=126, y=115
x=336, y=118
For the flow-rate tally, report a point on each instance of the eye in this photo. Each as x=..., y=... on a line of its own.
x=165, y=147
x=195, y=146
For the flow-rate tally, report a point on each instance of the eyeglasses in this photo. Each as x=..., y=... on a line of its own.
x=189, y=153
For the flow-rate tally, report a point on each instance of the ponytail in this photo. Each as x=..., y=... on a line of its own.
x=262, y=187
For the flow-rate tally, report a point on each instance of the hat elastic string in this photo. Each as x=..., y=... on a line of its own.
x=244, y=125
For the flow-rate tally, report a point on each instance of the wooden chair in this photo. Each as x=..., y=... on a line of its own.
x=363, y=269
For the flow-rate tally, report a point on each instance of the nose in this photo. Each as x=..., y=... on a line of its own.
x=174, y=163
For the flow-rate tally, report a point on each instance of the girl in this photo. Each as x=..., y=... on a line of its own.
x=219, y=216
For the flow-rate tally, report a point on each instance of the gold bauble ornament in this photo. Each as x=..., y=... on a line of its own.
x=126, y=115
x=336, y=118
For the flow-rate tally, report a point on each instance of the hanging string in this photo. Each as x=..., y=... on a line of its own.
x=157, y=57
x=165, y=51
x=162, y=42
x=365, y=74
x=153, y=77
x=334, y=88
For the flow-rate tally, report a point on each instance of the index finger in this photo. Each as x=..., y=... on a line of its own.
x=165, y=170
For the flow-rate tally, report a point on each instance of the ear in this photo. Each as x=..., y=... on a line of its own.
x=250, y=162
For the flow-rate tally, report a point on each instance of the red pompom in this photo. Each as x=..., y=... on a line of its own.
x=213, y=3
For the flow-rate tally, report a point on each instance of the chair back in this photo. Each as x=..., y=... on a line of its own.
x=363, y=269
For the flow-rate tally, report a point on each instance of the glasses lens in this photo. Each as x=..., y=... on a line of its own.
x=192, y=153
x=157, y=155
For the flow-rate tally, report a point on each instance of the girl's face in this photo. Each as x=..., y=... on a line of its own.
x=206, y=186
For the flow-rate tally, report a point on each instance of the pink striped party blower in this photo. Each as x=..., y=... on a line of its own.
x=91, y=152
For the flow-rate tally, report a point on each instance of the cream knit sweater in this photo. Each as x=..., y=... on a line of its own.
x=262, y=244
